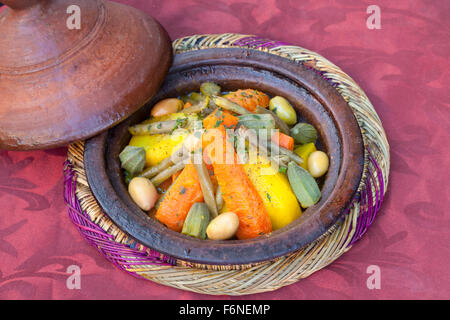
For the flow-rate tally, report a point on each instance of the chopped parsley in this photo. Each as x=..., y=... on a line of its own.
x=180, y=123
x=282, y=170
x=218, y=123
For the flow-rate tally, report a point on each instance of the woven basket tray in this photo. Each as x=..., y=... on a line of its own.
x=142, y=262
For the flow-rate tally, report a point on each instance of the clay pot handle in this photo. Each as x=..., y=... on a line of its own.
x=21, y=4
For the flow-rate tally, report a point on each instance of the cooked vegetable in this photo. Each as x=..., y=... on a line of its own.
x=166, y=106
x=318, y=163
x=157, y=127
x=198, y=106
x=267, y=146
x=229, y=105
x=153, y=171
x=210, y=89
x=283, y=109
x=304, y=151
x=177, y=156
x=167, y=173
x=159, y=146
x=132, y=159
x=196, y=221
x=207, y=188
x=249, y=99
x=284, y=151
x=283, y=140
x=239, y=194
x=280, y=124
x=223, y=227
x=281, y=159
x=220, y=120
x=143, y=193
x=304, y=133
x=276, y=193
x=303, y=184
x=257, y=121
x=182, y=194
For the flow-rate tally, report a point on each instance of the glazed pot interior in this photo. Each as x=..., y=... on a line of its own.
x=316, y=102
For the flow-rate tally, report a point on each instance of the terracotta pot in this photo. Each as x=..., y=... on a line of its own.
x=60, y=84
x=316, y=101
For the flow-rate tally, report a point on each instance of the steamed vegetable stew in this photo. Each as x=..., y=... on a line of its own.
x=224, y=165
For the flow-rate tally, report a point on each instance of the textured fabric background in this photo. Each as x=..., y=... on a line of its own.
x=403, y=68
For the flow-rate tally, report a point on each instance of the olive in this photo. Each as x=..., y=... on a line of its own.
x=143, y=192
x=167, y=106
x=283, y=109
x=318, y=163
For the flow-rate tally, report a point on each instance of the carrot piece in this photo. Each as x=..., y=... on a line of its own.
x=283, y=140
x=187, y=105
x=249, y=99
x=182, y=194
x=220, y=119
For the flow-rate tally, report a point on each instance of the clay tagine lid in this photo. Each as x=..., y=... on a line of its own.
x=70, y=69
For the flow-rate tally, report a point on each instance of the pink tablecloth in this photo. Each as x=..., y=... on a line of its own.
x=404, y=69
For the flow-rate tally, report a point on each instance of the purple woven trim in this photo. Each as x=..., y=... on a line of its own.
x=258, y=43
x=369, y=204
x=102, y=241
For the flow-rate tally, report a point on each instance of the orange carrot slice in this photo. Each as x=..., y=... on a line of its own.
x=179, y=198
x=187, y=105
x=249, y=99
x=283, y=140
x=220, y=119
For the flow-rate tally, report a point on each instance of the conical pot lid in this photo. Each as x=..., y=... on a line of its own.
x=70, y=69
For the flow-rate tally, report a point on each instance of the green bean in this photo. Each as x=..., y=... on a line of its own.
x=279, y=123
x=157, y=127
x=229, y=105
x=167, y=173
x=287, y=152
x=265, y=146
x=207, y=187
x=177, y=156
x=153, y=171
